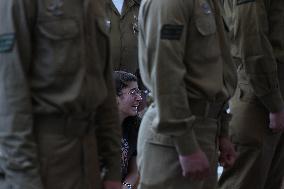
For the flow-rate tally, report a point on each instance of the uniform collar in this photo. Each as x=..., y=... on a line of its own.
x=127, y=5
x=113, y=7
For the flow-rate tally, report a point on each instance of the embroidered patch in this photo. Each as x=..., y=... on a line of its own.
x=171, y=32
x=239, y=2
x=7, y=42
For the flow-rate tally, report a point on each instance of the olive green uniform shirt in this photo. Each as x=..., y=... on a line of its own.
x=184, y=54
x=124, y=32
x=54, y=59
x=258, y=44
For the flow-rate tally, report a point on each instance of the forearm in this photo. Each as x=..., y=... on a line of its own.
x=18, y=151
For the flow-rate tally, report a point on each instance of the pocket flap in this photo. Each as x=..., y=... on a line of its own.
x=206, y=25
x=59, y=29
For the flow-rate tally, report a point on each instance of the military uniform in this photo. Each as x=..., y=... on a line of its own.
x=185, y=61
x=258, y=50
x=124, y=32
x=54, y=58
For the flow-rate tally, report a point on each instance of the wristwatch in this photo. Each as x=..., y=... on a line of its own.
x=129, y=186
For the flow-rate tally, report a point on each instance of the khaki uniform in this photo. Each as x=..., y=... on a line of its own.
x=185, y=61
x=258, y=50
x=55, y=87
x=124, y=32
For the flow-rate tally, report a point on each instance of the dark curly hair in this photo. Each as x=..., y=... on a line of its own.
x=121, y=79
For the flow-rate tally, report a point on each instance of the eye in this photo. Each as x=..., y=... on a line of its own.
x=135, y=92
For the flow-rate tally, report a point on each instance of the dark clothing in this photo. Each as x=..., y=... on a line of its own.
x=130, y=129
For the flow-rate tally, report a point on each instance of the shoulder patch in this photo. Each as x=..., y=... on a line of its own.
x=239, y=2
x=7, y=42
x=171, y=32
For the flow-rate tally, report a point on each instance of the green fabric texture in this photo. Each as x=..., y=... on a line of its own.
x=56, y=58
x=176, y=68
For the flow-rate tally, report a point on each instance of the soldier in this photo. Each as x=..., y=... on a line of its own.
x=55, y=87
x=185, y=61
x=124, y=31
x=258, y=108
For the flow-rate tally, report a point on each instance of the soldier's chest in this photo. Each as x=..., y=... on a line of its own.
x=57, y=9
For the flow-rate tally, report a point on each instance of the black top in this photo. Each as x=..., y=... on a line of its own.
x=130, y=128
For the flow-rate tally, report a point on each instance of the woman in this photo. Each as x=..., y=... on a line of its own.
x=128, y=100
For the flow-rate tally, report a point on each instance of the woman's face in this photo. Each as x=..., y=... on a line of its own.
x=129, y=100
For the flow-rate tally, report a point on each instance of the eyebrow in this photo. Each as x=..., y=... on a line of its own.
x=134, y=89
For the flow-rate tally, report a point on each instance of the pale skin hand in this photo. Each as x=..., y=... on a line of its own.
x=109, y=184
x=228, y=154
x=196, y=165
x=276, y=121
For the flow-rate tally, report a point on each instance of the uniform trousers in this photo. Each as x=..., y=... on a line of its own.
x=68, y=155
x=260, y=152
x=157, y=158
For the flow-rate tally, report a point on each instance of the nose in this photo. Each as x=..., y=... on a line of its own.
x=139, y=97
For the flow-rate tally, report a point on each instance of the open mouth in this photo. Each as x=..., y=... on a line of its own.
x=135, y=107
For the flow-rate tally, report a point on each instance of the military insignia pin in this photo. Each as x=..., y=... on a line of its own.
x=55, y=7
x=206, y=8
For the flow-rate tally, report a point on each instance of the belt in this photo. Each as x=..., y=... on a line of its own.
x=205, y=108
x=70, y=125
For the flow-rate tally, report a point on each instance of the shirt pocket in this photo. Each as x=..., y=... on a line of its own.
x=59, y=46
x=206, y=25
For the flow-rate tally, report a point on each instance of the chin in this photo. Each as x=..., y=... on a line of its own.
x=133, y=113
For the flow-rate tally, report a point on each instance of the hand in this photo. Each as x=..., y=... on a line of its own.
x=228, y=154
x=276, y=121
x=195, y=165
x=109, y=184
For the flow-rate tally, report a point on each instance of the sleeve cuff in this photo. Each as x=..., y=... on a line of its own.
x=186, y=144
x=273, y=101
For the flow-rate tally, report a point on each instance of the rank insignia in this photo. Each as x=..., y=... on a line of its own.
x=56, y=7
x=171, y=32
